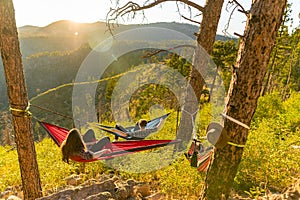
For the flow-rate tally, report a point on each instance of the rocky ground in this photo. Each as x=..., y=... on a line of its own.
x=106, y=187
x=291, y=193
x=109, y=187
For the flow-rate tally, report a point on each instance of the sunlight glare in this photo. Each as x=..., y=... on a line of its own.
x=42, y=13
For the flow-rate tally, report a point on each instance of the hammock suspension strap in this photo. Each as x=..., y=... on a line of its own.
x=236, y=145
x=239, y=123
x=235, y=121
x=25, y=112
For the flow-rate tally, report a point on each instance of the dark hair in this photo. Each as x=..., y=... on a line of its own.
x=72, y=145
x=142, y=123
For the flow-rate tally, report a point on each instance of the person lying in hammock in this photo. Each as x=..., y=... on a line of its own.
x=141, y=125
x=140, y=129
x=74, y=145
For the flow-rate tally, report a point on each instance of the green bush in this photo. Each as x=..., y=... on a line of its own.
x=268, y=157
x=268, y=160
x=9, y=168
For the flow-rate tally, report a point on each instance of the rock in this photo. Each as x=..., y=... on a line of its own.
x=9, y=188
x=107, y=185
x=156, y=196
x=293, y=192
x=13, y=197
x=74, y=180
x=123, y=190
x=66, y=197
x=115, y=178
x=89, y=182
x=80, y=193
x=102, y=177
x=131, y=182
x=100, y=196
x=122, y=193
x=144, y=190
x=5, y=194
x=11, y=192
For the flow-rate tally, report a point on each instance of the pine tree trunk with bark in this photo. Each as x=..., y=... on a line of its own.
x=205, y=38
x=255, y=47
x=16, y=88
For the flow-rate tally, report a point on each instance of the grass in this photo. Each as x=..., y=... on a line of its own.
x=268, y=161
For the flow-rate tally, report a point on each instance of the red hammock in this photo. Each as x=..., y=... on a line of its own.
x=59, y=134
x=202, y=157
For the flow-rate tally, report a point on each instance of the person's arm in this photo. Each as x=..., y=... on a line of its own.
x=100, y=153
x=85, y=155
x=160, y=124
x=88, y=155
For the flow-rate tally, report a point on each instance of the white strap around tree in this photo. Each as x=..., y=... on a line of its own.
x=235, y=121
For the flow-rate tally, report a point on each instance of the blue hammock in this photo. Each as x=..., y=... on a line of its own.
x=132, y=133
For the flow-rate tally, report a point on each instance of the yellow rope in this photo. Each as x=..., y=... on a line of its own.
x=82, y=83
x=236, y=145
x=22, y=111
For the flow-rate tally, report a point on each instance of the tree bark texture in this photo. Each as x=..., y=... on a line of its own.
x=16, y=88
x=254, y=52
x=205, y=38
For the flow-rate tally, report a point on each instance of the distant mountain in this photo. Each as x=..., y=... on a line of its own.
x=28, y=29
x=52, y=54
x=67, y=35
x=66, y=28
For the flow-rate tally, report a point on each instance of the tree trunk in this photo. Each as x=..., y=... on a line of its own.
x=286, y=91
x=205, y=38
x=12, y=62
x=254, y=52
x=270, y=72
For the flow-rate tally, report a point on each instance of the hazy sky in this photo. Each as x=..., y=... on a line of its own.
x=44, y=12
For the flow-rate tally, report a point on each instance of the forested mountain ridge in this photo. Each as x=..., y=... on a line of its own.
x=66, y=28
x=52, y=54
x=50, y=38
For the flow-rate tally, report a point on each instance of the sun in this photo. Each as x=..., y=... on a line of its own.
x=43, y=13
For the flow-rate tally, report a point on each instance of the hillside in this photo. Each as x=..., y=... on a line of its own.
x=60, y=48
x=65, y=28
x=66, y=35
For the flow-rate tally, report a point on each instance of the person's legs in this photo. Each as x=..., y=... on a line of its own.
x=89, y=136
x=99, y=145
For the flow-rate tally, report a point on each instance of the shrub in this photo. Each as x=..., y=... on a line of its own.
x=268, y=156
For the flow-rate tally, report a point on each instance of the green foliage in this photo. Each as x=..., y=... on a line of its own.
x=52, y=170
x=177, y=180
x=9, y=168
x=268, y=107
x=283, y=67
x=181, y=180
x=269, y=162
x=224, y=55
x=180, y=64
x=268, y=155
x=255, y=192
